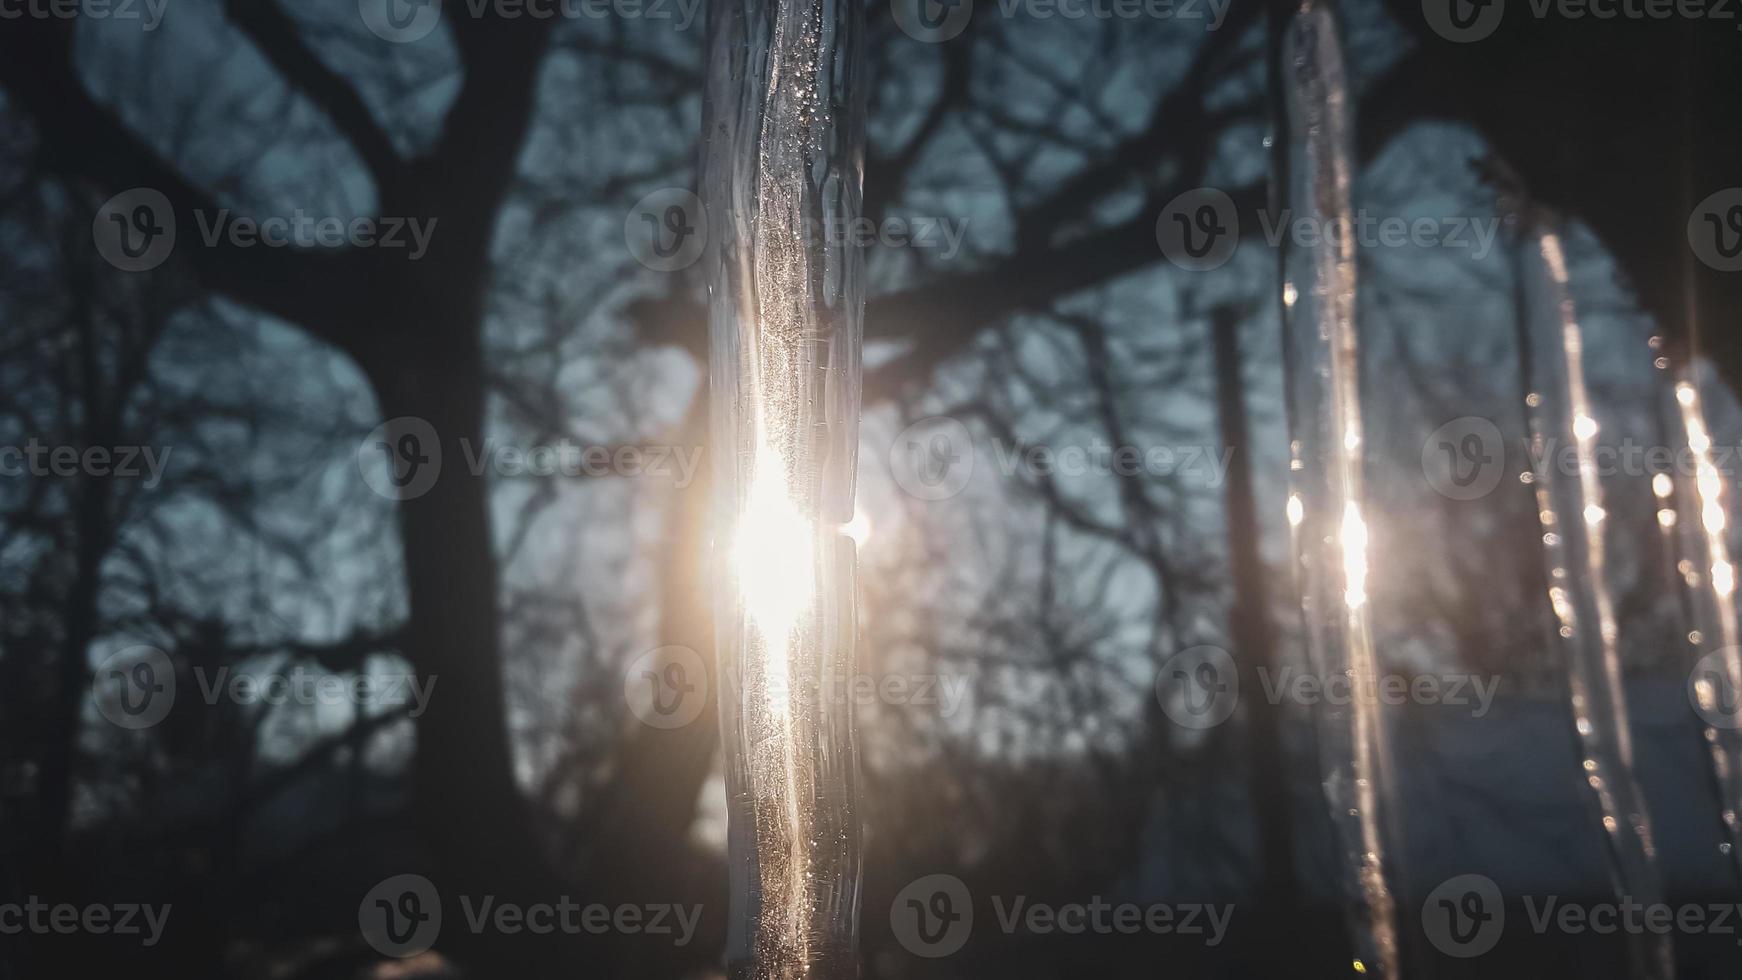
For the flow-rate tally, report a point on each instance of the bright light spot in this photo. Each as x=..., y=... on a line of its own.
x=1662, y=485
x=1562, y=603
x=1296, y=512
x=1685, y=393
x=859, y=528
x=1584, y=426
x=1666, y=517
x=1289, y=294
x=772, y=554
x=1698, y=441
x=1709, y=484
x=1352, y=438
x=1594, y=514
x=1723, y=577
x=1712, y=516
x=1354, y=556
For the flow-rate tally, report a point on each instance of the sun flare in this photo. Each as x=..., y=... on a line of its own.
x=772, y=553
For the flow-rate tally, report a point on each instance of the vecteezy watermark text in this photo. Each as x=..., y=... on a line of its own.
x=404, y=21
x=933, y=917
x=668, y=687
x=1200, y=230
x=1466, y=21
x=935, y=458
x=1199, y=688
x=135, y=231
x=936, y=21
x=311, y=687
x=37, y=459
x=402, y=916
x=148, y=12
x=136, y=688
x=402, y=459
x=1466, y=458
x=33, y=915
x=1465, y=916
x=667, y=230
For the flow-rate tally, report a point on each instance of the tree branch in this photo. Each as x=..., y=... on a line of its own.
x=278, y=38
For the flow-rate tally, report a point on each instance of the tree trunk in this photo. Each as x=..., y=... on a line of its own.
x=467, y=804
x=1253, y=636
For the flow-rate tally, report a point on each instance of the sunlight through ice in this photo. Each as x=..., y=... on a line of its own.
x=773, y=556
x=1354, y=556
x=1551, y=346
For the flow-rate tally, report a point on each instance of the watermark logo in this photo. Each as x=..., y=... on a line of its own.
x=404, y=21
x=134, y=231
x=1715, y=230
x=933, y=459
x=1199, y=230
x=1713, y=688
x=311, y=688
x=932, y=21
x=936, y=21
x=565, y=458
x=400, y=21
x=401, y=916
x=667, y=230
x=135, y=687
x=148, y=12
x=666, y=687
x=1467, y=458
x=933, y=916
x=38, y=459
x=33, y=915
x=303, y=230
x=1198, y=687
x=401, y=458
x=1463, y=21
x=1464, y=916
x=1464, y=459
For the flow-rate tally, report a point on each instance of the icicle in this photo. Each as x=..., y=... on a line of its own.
x=1692, y=513
x=1572, y=519
x=784, y=133
x=1325, y=507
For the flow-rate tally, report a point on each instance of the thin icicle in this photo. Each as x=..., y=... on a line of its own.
x=1325, y=507
x=1572, y=519
x=1693, y=512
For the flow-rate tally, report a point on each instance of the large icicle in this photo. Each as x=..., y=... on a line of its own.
x=784, y=127
x=1694, y=513
x=1326, y=505
x=1570, y=511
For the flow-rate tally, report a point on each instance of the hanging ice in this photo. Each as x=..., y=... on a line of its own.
x=784, y=130
x=1326, y=504
x=1693, y=515
x=1572, y=519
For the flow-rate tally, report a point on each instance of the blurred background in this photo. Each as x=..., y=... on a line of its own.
x=354, y=484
